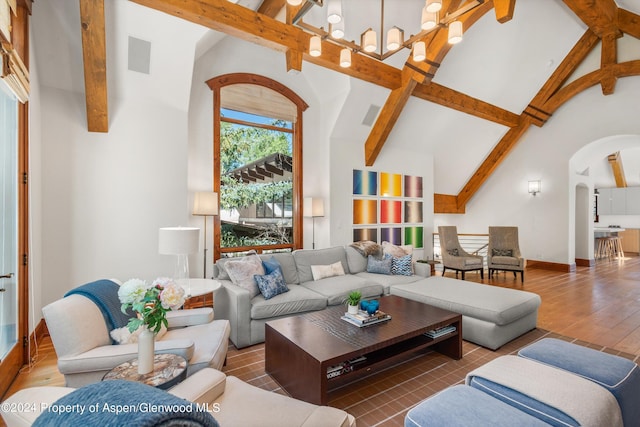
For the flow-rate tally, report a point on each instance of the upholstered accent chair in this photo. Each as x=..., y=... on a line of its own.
x=454, y=257
x=86, y=350
x=503, y=252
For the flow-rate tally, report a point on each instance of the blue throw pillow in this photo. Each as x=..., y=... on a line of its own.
x=271, y=264
x=402, y=266
x=380, y=266
x=271, y=284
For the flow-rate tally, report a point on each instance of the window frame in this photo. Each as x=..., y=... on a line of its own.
x=216, y=84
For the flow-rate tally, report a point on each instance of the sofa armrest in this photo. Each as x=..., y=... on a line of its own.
x=324, y=416
x=234, y=304
x=422, y=269
x=190, y=317
x=204, y=386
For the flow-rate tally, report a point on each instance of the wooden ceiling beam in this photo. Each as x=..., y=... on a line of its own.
x=615, y=161
x=271, y=8
x=245, y=24
x=450, y=98
x=94, y=55
x=601, y=16
x=504, y=10
x=608, y=59
x=629, y=23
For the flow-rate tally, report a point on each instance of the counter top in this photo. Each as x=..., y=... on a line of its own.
x=607, y=229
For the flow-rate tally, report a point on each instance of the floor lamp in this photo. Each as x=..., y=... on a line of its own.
x=205, y=204
x=180, y=241
x=313, y=208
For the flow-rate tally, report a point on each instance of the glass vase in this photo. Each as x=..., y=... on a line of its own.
x=146, y=347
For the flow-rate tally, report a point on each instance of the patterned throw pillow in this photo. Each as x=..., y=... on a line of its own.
x=271, y=284
x=502, y=252
x=271, y=264
x=401, y=266
x=453, y=252
x=380, y=266
x=241, y=272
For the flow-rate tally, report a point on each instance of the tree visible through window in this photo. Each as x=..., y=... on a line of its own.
x=257, y=164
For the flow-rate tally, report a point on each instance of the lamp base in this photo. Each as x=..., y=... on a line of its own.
x=181, y=273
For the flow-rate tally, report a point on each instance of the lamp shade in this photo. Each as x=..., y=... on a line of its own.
x=178, y=240
x=205, y=203
x=345, y=58
x=313, y=207
x=394, y=39
x=419, y=51
x=315, y=46
x=455, y=32
x=369, y=42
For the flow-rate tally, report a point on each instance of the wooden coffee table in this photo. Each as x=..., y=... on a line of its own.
x=299, y=350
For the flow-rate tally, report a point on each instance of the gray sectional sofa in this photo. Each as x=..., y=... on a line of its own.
x=492, y=316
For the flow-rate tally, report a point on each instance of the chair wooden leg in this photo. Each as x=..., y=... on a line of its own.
x=462, y=274
x=482, y=274
x=522, y=276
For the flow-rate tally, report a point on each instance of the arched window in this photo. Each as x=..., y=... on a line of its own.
x=257, y=164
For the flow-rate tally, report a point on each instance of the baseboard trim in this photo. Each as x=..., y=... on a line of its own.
x=585, y=262
x=38, y=334
x=553, y=266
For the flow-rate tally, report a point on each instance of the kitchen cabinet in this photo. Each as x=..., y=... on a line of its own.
x=630, y=240
x=633, y=200
x=619, y=201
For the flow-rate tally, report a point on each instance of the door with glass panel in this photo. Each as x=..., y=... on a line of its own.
x=8, y=228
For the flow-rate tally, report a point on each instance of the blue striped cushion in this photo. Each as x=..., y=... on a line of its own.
x=402, y=266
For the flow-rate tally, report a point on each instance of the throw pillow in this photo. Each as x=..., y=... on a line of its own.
x=380, y=266
x=123, y=336
x=323, y=271
x=271, y=284
x=502, y=252
x=402, y=266
x=243, y=270
x=271, y=264
x=453, y=252
x=395, y=250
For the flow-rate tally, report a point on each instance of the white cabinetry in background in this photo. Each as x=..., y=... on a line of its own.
x=633, y=200
x=619, y=201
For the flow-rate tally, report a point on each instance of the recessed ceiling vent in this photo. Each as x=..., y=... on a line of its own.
x=371, y=115
x=139, y=55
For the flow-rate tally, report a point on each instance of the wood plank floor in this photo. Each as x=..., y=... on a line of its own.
x=599, y=305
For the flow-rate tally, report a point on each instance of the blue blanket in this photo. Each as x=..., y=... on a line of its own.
x=123, y=403
x=104, y=294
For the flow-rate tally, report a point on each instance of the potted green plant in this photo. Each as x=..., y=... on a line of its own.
x=353, y=300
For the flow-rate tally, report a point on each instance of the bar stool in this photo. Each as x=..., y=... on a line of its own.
x=616, y=247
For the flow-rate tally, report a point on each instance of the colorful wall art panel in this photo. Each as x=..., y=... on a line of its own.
x=390, y=211
x=412, y=211
x=365, y=234
x=414, y=236
x=391, y=235
x=412, y=186
x=365, y=211
x=365, y=183
x=390, y=184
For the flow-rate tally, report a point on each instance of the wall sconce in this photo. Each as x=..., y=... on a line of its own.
x=534, y=187
x=313, y=208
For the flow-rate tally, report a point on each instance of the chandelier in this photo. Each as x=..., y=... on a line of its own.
x=371, y=43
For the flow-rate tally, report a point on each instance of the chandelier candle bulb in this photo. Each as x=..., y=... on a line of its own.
x=429, y=19
x=334, y=11
x=433, y=5
x=337, y=30
x=315, y=46
x=394, y=39
x=419, y=51
x=369, y=43
x=455, y=32
x=294, y=2
x=345, y=58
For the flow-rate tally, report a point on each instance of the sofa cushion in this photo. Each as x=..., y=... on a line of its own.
x=305, y=258
x=242, y=272
x=271, y=284
x=473, y=261
x=298, y=300
x=389, y=280
x=379, y=266
x=336, y=289
x=485, y=302
x=323, y=271
x=287, y=265
x=401, y=266
x=356, y=261
x=618, y=375
x=462, y=406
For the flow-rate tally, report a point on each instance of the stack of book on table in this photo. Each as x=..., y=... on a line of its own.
x=438, y=332
x=362, y=318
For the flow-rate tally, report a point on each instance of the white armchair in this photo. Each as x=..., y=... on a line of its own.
x=85, y=351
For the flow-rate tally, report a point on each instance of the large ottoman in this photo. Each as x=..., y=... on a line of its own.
x=491, y=316
x=463, y=406
x=618, y=375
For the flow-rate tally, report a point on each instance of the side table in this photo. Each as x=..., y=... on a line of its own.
x=200, y=288
x=432, y=263
x=168, y=370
